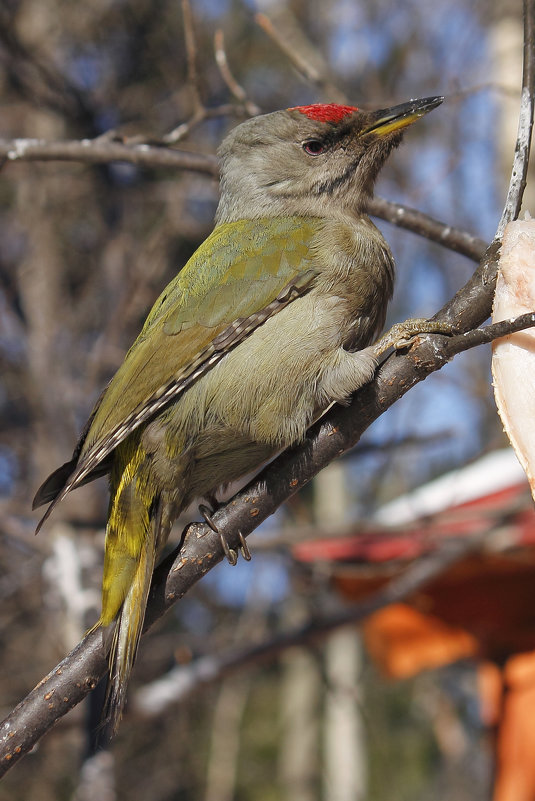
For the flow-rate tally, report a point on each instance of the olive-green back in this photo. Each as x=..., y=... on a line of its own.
x=238, y=271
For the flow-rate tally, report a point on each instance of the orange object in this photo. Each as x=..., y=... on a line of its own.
x=508, y=706
x=482, y=608
x=404, y=641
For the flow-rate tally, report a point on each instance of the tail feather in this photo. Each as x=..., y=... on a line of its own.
x=133, y=538
x=126, y=636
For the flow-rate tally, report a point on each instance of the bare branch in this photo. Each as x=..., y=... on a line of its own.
x=420, y=223
x=200, y=110
x=491, y=86
x=519, y=172
x=482, y=336
x=183, y=680
x=332, y=436
x=299, y=52
x=191, y=56
x=102, y=151
x=235, y=88
x=185, y=128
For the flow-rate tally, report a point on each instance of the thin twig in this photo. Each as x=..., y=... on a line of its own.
x=191, y=57
x=489, y=86
x=184, y=129
x=232, y=84
x=482, y=336
x=299, y=59
x=199, y=110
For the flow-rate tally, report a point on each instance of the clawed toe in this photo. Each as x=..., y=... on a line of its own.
x=403, y=335
x=230, y=553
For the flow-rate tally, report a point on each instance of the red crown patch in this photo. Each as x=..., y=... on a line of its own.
x=325, y=112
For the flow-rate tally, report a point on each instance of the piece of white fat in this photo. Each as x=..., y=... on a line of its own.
x=513, y=358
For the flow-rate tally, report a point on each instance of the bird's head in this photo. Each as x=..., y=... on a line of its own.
x=309, y=160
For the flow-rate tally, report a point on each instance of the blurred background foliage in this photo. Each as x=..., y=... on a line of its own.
x=85, y=250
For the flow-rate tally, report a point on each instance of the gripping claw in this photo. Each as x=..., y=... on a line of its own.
x=244, y=548
x=231, y=555
x=402, y=335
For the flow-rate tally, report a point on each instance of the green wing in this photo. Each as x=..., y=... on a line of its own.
x=241, y=275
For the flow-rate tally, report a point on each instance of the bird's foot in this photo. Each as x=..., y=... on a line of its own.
x=230, y=553
x=402, y=335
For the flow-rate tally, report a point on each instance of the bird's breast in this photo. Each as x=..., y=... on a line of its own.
x=357, y=267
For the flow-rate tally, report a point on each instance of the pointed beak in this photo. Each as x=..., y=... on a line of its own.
x=387, y=120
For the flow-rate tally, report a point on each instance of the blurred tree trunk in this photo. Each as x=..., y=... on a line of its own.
x=224, y=752
x=344, y=747
x=299, y=724
x=345, y=760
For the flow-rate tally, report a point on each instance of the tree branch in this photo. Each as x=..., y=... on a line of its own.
x=519, y=171
x=70, y=681
x=235, y=88
x=103, y=151
x=424, y=225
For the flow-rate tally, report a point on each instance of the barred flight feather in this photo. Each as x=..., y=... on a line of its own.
x=228, y=339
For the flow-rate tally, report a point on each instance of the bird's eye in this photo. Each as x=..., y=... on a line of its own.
x=314, y=147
